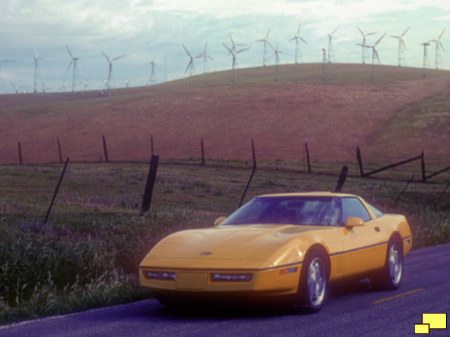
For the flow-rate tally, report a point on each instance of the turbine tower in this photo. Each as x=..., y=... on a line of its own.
x=439, y=46
x=297, y=39
x=110, y=63
x=266, y=42
x=73, y=60
x=324, y=64
x=425, y=58
x=363, y=44
x=331, y=47
x=233, y=53
x=205, y=57
x=36, y=60
x=401, y=47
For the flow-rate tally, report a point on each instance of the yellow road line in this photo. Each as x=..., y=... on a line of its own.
x=397, y=296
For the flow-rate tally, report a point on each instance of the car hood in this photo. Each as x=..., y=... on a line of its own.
x=237, y=246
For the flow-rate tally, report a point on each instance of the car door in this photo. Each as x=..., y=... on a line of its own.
x=363, y=246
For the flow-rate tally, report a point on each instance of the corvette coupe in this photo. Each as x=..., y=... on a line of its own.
x=289, y=246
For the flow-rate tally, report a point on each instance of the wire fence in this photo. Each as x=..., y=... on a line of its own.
x=299, y=155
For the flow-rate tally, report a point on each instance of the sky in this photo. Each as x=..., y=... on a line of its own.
x=155, y=31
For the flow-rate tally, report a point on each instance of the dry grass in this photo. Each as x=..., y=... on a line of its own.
x=394, y=117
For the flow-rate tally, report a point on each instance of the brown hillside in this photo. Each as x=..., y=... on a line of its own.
x=393, y=117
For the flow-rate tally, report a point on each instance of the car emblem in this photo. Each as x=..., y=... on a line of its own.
x=205, y=253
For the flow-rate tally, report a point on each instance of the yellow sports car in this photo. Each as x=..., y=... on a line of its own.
x=288, y=246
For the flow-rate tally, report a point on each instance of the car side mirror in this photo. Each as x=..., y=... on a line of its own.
x=354, y=222
x=219, y=220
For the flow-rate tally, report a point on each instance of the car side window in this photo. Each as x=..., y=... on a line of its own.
x=353, y=207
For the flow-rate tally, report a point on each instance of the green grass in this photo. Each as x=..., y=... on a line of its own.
x=88, y=254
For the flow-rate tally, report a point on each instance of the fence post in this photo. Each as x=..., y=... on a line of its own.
x=105, y=149
x=422, y=160
x=151, y=144
x=203, y=151
x=341, y=180
x=19, y=147
x=307, y=157
x=56, y=191
x=59, y=150
x=358, y=157
x=251, y=176
x=151, y=178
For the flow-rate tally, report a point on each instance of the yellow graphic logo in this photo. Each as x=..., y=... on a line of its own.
x=431, y=321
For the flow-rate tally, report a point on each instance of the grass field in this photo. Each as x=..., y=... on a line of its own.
x=395, y=116
x=87, y=254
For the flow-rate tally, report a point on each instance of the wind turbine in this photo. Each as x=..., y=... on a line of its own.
x=36, y=60
x=233, y=45
x=297, y=38
x=233, y=53
x=375, y=53
x=110, y=62
x=73, y=60
x=16, y=88
x=363, y=44
x=425, y=58
x=276, y=54
x=127, y=82
x=1, y=73
x=190, y=65
x=153, y=65
x=439, y=46
x=205, y=57
x=401, y=47
x=266, y=42
x=330, y=46
x=85, y=84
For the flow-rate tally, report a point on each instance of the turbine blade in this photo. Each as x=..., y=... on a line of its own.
x=381, y=38
x=298, y=30
x=187, y=51
x=405, y=32
x=105, y=56
x=268, y=32
x=440, y=36
x=69, y=52
x=360, y=31
x=229, y=49
x=70, y=64
x=116, y=58
x=241, y=50
x=376, y=55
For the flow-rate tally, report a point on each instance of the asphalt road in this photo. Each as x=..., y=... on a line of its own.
x=354, y=310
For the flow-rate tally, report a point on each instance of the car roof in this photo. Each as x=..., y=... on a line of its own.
x=309, y=194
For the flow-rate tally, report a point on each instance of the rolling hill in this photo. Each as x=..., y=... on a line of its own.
x=392, y=117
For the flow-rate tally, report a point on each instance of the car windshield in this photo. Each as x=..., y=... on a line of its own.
x=316, y=211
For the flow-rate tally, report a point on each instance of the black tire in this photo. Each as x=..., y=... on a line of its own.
x=391, y=275
x=313, y=283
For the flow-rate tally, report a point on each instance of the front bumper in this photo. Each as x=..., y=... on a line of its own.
x=281, y=280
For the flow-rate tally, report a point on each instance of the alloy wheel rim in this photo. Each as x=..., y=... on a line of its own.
x=316, y=281
x=395, y=264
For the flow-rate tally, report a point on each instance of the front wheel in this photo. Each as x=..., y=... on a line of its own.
x=313, y=282
x=391, y=275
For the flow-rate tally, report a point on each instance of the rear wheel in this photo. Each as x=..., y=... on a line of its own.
x=313, y=282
